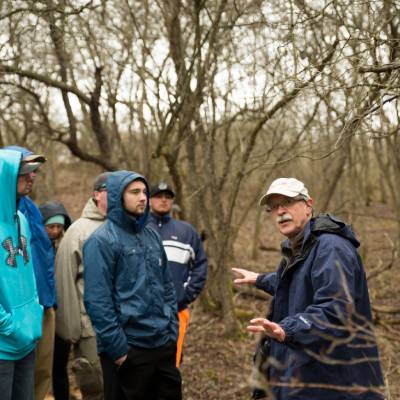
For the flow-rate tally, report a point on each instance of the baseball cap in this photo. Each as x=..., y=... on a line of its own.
x=31, y=163
x=290, y=187
x=101, y=181
x=161, y=187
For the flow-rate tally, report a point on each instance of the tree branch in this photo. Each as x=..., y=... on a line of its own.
x=379, y=68
x=8, y=69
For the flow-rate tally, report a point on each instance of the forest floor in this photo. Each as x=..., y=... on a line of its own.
x=217, y=367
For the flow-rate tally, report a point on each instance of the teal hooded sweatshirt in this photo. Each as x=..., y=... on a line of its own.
x=20, y=312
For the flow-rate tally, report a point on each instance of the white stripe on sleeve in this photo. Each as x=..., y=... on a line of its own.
x=178, y=252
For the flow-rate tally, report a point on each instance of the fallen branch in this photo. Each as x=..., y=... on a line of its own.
x=382, y=268
x=386, y=309
x=269, y=248
x=251, y=291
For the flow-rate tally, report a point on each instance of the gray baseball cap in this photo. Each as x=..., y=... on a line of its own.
x=101, y=181
x=31, y=163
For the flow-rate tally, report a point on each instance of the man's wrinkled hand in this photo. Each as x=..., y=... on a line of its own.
x=268, y=328
x=245, y=276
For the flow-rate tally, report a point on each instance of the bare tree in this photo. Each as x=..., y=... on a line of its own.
x=217, y=97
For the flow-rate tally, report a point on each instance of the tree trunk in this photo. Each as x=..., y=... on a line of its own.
x=219, y=296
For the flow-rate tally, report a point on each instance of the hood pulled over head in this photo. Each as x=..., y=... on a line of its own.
x=117, y=182
x=50, y=209
x=9, y=165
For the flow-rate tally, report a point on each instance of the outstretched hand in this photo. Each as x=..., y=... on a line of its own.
x=245, y=276
x=268, y=328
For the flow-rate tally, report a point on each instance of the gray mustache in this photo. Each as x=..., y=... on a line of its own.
x=283, y=218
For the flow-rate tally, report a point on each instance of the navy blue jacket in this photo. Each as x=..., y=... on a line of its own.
x=321, y=301
x=42, y=249
x=129, y=294
x=186, y=257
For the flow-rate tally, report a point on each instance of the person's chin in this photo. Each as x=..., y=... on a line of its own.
x=162, y=212
x=286, y=228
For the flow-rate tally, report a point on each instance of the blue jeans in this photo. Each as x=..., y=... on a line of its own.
x=17, y=378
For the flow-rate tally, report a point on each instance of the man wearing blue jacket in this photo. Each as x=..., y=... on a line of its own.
x=43, y=264
x=130, y=298
x=20, y=311
x=318, y=340
x=186, y=257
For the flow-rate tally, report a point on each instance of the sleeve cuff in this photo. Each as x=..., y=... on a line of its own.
x=117, y=352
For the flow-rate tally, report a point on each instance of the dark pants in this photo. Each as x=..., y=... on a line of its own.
x=60, y=373
x=146, y=374
x=17, y=378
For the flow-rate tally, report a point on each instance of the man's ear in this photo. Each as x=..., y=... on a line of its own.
x=310, y=203
x=96, y=195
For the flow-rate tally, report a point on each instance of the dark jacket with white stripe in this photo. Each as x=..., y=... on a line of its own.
x=186, y=257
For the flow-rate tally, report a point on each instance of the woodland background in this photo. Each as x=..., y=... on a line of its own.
x=219, y=98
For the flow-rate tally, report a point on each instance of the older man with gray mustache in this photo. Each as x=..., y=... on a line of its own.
x=317, y=342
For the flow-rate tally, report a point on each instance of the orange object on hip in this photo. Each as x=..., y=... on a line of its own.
x=183, y=316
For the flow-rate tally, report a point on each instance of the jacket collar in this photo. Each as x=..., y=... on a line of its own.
x=286, y=248
x=161, y=218
x=306, y=233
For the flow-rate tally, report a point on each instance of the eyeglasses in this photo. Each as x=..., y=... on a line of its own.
x=285, y=203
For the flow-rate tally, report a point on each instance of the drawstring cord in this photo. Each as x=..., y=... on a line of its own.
x=20, y=244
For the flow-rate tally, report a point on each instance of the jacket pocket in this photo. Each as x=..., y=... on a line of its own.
x=133, y=311
x=27, y=326
x=132, y=261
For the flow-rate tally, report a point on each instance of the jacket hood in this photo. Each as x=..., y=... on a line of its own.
x=91, y=211
x=116, y=184
x=9, y=166
x=325, y=223
x=52, y=208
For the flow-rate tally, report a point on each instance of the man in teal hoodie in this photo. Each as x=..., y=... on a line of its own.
x=20, y=311
x=43, y=265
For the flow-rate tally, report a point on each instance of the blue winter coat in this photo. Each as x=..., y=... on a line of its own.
x=321, y=301
x=186, y=257
x=42, y=249
x=20, y=312
x=129, y=294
